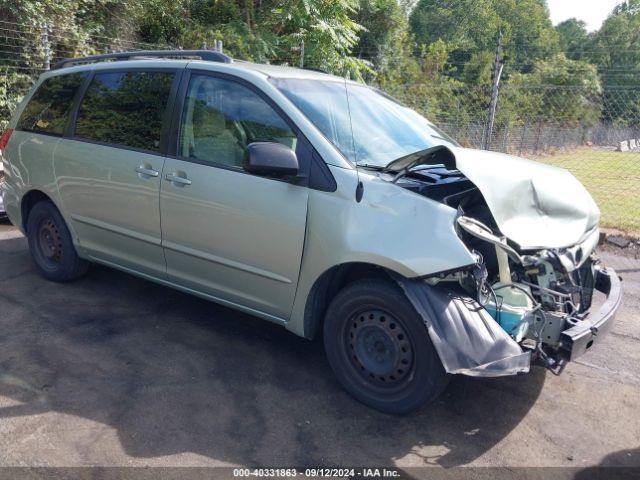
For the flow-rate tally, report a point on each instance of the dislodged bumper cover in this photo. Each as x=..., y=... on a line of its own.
x=467, y=338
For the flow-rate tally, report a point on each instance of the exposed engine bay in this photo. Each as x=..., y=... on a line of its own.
x=534, y=295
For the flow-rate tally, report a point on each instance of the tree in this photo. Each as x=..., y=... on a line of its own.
x=384, y=28
x=71, y=23
x=574, y=38
x=422, y=83
x=327, y=28
x=616, y=52
x=264, y=31
x=558, y=91
x=617, y=44
x=473, y=26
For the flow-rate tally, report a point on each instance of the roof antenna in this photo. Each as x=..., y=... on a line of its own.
x=360, y=186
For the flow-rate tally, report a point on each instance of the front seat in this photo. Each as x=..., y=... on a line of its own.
x=211, y=139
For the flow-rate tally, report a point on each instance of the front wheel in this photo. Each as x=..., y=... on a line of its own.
x=379, y=348
x=51, y=246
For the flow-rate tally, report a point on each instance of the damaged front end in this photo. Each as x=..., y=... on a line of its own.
x=523, y=301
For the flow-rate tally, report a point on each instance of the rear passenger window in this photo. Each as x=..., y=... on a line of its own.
x=125, y=108
x=49, y=107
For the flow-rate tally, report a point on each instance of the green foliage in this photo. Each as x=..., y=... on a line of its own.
x=384, y=28
x=472, y=26
x=327, y=29
x=13, y=85
x=434, y=55
x=161, y=21
x=558, y=90
x=616, y=52
x=266, y=31
x=72, y=24
x=617, y=43
x=574, y=38
x=89, y=16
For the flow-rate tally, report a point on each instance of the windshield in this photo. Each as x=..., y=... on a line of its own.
x=383, y=129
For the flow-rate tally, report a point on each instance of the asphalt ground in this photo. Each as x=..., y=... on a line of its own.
x=113, y=370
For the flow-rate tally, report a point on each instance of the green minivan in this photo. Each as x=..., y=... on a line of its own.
x=314, y=202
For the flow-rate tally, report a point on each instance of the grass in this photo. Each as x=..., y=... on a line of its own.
x=612, y=178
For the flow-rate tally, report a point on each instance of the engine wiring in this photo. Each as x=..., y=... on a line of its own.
x=539, y=315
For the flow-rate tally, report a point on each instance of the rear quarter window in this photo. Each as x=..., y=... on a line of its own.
x=48, y=109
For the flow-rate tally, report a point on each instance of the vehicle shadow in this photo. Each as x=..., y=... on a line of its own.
x=172, y=373
x=623, y=464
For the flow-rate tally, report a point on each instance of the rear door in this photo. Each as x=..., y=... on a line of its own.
x=227, y=233
x=108, y=171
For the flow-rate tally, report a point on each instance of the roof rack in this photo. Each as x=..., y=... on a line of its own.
x=209, y=55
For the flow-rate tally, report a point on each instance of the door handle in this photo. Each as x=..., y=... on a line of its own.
x=177, y=179
x=146, y=172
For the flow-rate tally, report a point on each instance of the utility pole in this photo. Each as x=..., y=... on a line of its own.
x=497, y=73
x=45, y=46
x=302, y=54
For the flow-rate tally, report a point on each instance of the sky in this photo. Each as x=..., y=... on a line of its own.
x=593, y=12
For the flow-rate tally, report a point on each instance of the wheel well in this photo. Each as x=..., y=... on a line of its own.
x=329, y=284
x=28, y=202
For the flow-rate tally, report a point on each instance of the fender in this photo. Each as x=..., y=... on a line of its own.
x=391, y=227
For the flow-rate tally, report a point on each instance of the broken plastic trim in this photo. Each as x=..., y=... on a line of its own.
x=468, y=340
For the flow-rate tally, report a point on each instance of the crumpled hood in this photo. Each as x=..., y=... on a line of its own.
x=535, y=205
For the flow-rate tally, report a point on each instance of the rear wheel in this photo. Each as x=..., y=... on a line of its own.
x=379, y=348
x=51, y=245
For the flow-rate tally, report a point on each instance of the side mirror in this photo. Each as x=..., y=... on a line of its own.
x=271, y=159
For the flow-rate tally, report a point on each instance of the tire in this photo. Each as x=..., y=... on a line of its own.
x=380, y=350
x=51, y=246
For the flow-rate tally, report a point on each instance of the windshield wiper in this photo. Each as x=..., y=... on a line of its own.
x=367, y=165
x=409, y=168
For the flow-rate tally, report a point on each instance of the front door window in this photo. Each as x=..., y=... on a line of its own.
x=222, y=117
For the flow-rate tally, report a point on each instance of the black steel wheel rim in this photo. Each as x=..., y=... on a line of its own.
x=379, y=348
x=50, y=241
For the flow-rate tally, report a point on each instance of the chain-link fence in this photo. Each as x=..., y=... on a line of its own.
x=595, y=133
x=596, y=137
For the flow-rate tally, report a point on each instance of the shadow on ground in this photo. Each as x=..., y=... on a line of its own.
x=172, y=373
x=624, y=464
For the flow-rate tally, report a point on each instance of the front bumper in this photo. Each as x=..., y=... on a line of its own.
x=576, y=340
